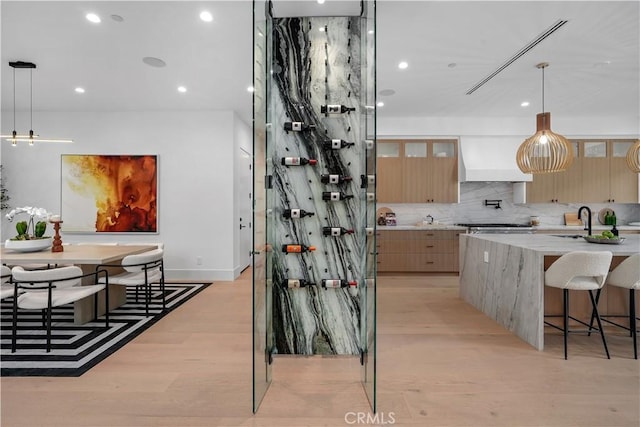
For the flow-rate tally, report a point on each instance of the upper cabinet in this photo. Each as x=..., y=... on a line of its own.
x=417, y=171
x=599, y=174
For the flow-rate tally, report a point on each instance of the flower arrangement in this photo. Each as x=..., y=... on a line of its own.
x=30, y=230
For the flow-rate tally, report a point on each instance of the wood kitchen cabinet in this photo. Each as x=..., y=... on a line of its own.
x=599, y=174
x=417, y=171
x=417, y=251
x=559, y=187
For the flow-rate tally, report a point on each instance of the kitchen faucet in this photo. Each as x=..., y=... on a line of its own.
x=588, y=217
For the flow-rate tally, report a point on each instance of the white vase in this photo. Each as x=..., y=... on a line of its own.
x=28, y=245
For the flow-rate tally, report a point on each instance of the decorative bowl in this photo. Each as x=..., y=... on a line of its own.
x=615, y=241
x=28, y=245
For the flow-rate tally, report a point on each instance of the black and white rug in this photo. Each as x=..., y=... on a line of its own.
x=77, y=348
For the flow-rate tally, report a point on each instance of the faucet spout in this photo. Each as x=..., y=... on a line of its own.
x=588, y=225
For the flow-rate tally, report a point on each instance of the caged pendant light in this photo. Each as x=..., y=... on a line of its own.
x=545, y=151
x=633, y=157
x=31, y=137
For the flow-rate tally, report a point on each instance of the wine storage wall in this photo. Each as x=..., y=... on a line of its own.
x=315, y=62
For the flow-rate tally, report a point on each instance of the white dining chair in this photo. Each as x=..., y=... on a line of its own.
x=54, y=287
x=141, y=270
x=627, y=276
x=6, y=286
x=579, y=271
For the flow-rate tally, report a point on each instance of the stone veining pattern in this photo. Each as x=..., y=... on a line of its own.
x=313, y=68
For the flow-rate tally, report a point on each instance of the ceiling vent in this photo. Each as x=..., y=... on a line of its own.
x=555, y=27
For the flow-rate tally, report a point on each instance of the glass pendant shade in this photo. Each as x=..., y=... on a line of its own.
x=545, y=151
x=633, y=157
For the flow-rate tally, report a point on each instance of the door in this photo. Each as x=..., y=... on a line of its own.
x=245, y=207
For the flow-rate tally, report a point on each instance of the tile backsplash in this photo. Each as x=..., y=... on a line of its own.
x=471, y=208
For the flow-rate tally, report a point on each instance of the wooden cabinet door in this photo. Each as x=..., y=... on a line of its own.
x=389, y=174
x=443, y=180
x=542, y=189
x=595, y=172
x=623, y=184
x=443, y=167
x=568, y=184
x=416, y=172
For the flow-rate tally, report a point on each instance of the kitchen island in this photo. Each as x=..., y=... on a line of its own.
x=502, y=275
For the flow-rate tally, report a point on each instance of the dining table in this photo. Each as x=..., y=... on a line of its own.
x=87, y=257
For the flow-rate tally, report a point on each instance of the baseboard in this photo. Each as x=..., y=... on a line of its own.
x=200, y=275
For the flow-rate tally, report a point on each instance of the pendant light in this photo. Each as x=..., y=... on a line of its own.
x=545, y=151
x=633, y=157
x=31, y=137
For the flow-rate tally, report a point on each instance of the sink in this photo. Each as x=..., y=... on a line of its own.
x=568, y=236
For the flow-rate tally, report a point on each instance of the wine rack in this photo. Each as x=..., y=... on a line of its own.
x=320, y=148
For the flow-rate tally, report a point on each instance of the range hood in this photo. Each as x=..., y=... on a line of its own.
x=490, y=158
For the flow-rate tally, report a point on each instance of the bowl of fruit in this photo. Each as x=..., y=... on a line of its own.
x=606, y=237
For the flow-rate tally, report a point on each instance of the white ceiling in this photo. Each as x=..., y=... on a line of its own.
x=595, y=62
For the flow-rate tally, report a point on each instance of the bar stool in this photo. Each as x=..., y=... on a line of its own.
x=579, y=271
x=626, y=275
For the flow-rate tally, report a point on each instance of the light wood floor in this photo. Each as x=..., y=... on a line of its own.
x=440, y=363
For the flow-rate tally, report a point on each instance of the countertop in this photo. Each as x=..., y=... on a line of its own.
x=594, y=227
x=572, y=228
x=552, y=245
x=421, y=227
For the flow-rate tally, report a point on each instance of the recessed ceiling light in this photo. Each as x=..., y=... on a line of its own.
x=250, y=89
x=370, y=31
x=403, y=65
x=525, y=104
x=92, y=17
x=154, y=62
x=380, y=104
x=206, y=16
x=117, y=18
x=79, y=90
x=320, y=1
x=182, y=89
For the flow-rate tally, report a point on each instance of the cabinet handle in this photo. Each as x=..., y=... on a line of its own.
x=429, y=246
x=429, y=234
x=429, y=262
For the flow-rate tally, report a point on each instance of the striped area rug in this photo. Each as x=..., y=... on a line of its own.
x=77, y=348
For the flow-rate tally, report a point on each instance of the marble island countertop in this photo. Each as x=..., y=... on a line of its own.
x=594, y=227
x=567, y=228
x=502, y=275
x=549, y=244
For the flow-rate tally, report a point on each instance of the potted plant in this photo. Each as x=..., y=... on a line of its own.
x=30, y=235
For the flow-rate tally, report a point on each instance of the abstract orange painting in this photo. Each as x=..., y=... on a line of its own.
x=109, y=193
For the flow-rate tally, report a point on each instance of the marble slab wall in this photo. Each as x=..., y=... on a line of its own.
x=471, y=208
x=316, y=61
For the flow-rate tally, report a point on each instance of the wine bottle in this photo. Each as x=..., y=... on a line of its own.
x=335, y=109
x=335, y=231
x=297, y=249
x=297, y=161
x=296, y=213
x=337, y=283
x=298, y=127
x=336, y=144
x=335, y=195
x=334, y=178
x=298, y=283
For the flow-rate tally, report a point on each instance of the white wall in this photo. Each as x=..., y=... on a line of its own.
x=570, y=127
x=196, y=188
